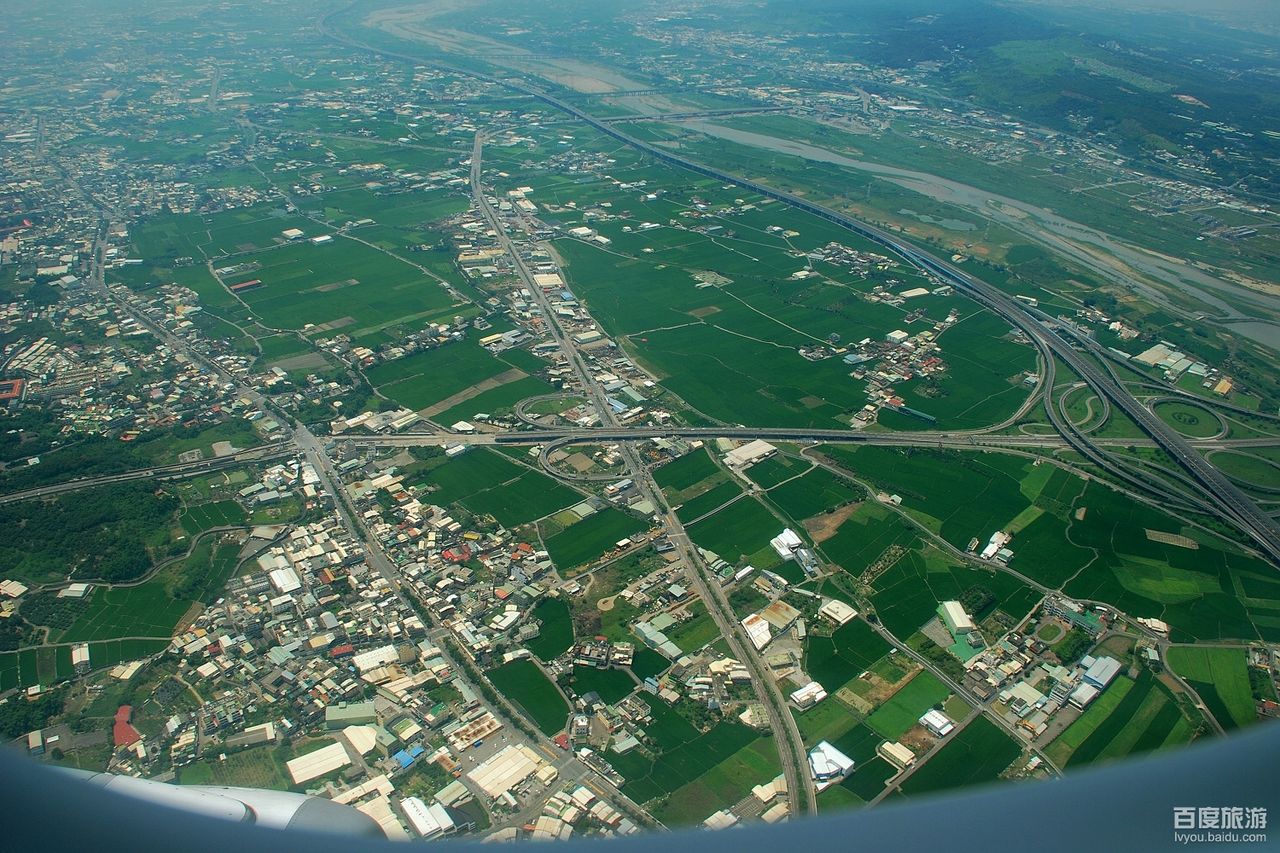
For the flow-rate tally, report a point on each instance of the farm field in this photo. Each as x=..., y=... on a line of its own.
x=870, y=772
x=828, y=720
x=451, y=480
x=727, y=782
x=694, y=633
x=867, y=534
x=907, y=594
x=647, y=663
x=1130, y=717
x=1084, y=538
x=594, y=535
x=486, y=482
x=258, y=767
x=29, y=667
x=680, y=753
x=423, y=378
x=740, y=531
x=140, y=611
x=815, y=492
x=198, y=519
x=169, y=236
x=526, y=687
x=1206, y=592
x=776, y=469
x=613, y=685
x=708, y=501
x=957, y=495
x=975, y=755
x=1221, y=678
x=165, y=449
x=903, y=710
x=746, y=324
x=342, y=284
x=689, y=470
x=494, y=401
x=556, y=635
x=154, y=607
x=836, y=660
x=203, y=575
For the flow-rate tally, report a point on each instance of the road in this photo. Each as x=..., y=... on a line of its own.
x=1228, y=501
x=313, y=450
x=157, y=472
x=791, y=751
x=1223, y=498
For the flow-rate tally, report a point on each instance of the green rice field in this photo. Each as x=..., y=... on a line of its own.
x=524, y=685
x=1130, y=717
x=1221, y=678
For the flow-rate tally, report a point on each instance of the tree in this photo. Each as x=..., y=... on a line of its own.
x=17, y=717
x=1072, y=646
x=977, y=600
x=42, y=293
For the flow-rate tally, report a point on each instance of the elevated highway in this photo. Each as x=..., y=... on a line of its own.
x=1222, y=497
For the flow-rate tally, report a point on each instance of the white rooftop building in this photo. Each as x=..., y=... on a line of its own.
x=429, y=821
x=956, y=619
x=749, y=453
x=313, y=765
x=786, y=543
x=1101, y=672
x=505, y=770
x=809, y=695
x=757, y=630
x=828, y=764
x=937, y=722
x=285, y=580
x=722, y=819
x=896, y=754
x=837, y=611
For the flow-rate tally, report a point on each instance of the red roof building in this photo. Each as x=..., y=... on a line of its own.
x=122, y=731
x=457, y=555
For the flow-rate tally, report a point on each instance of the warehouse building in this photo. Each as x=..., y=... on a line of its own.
x=428, y=820
x=809, y=695
x=957, y=620
x=313, y=765
x=349, y=714
x=896, y=754
x=938, y=723
x=1100, y=671
x=505, y=770
x=828, y=765
x=749, y=454
x=757, y=630
x=837, y=611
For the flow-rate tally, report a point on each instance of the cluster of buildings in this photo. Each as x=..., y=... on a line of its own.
x=100, y=372
x=1030, y=685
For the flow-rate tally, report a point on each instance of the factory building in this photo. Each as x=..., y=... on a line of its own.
x=828, y=765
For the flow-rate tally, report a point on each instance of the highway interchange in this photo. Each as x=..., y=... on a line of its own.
x=1220, y=496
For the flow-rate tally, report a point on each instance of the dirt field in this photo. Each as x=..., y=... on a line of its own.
x=823, y=527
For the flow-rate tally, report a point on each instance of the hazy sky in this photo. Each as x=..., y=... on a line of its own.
x=1254, y=14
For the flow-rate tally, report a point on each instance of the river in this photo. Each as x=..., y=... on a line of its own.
x=1094, y=249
